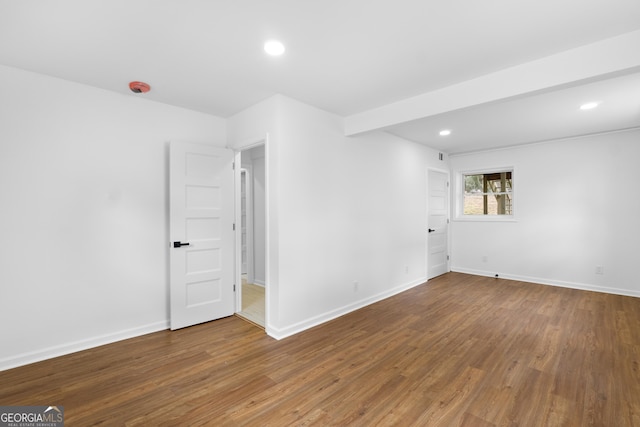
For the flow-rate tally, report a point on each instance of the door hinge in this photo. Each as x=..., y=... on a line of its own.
x=234, y=287
x=234, y=226
x=447, y=184
x=447, y=260
x=447, y=220
x=233, y=165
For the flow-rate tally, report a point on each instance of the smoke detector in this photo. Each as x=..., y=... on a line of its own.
x=139, y=87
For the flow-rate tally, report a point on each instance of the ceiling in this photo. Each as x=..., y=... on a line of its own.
x=343, y=56
x=533, y=118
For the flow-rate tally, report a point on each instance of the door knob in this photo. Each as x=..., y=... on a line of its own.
x=431, y=230
x=178, y=244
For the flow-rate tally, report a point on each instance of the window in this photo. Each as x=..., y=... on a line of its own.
x=487, y=193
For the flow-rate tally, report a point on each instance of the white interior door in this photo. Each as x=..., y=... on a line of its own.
x=201, y=232
x=438, y=220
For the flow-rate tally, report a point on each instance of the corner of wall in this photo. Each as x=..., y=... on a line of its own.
x=73, y=347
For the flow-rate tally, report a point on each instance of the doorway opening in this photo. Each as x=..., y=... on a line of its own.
x=251, y=268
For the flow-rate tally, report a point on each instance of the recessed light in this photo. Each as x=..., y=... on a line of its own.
x=274, y=48
x=589, y=105
x=445, y=132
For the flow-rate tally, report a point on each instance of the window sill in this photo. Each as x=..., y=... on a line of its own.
x=486, y=218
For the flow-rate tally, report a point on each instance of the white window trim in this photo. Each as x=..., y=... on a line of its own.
x=459, y=197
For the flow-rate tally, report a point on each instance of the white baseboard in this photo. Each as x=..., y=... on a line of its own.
x=280, y=333
x=72, y=347
x=259, y=283
x=558, y=283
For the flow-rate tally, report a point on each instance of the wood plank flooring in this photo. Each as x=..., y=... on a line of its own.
x=460, y=350
x=253, y=306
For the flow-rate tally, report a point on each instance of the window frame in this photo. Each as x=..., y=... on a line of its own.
x=459, y=196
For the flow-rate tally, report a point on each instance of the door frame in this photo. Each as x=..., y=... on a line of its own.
x=264, y=141
x=448, y=237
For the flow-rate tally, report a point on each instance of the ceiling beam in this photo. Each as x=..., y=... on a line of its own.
x=603, y=59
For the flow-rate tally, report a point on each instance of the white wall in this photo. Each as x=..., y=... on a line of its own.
x=254, y=160
x=343, y=209
x=84, y=213
x=259, y=218
x=577, y=208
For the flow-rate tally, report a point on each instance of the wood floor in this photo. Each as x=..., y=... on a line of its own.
x=459, y=350
x=253, y=306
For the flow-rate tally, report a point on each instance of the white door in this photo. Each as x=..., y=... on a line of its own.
x=438, y=222
x=201, y=219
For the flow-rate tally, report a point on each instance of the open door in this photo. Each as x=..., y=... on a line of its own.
x=251, y=239
x=201, y=217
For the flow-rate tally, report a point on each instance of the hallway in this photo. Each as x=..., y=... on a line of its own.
x=253, y=303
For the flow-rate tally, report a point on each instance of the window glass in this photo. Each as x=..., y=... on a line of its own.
x=488, y=193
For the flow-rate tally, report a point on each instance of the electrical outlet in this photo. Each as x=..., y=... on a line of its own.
x=355, y=286
x=485, y=258
x=599, y=269
x=406, y=269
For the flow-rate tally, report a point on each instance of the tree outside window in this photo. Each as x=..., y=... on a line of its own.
x=488, y=193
